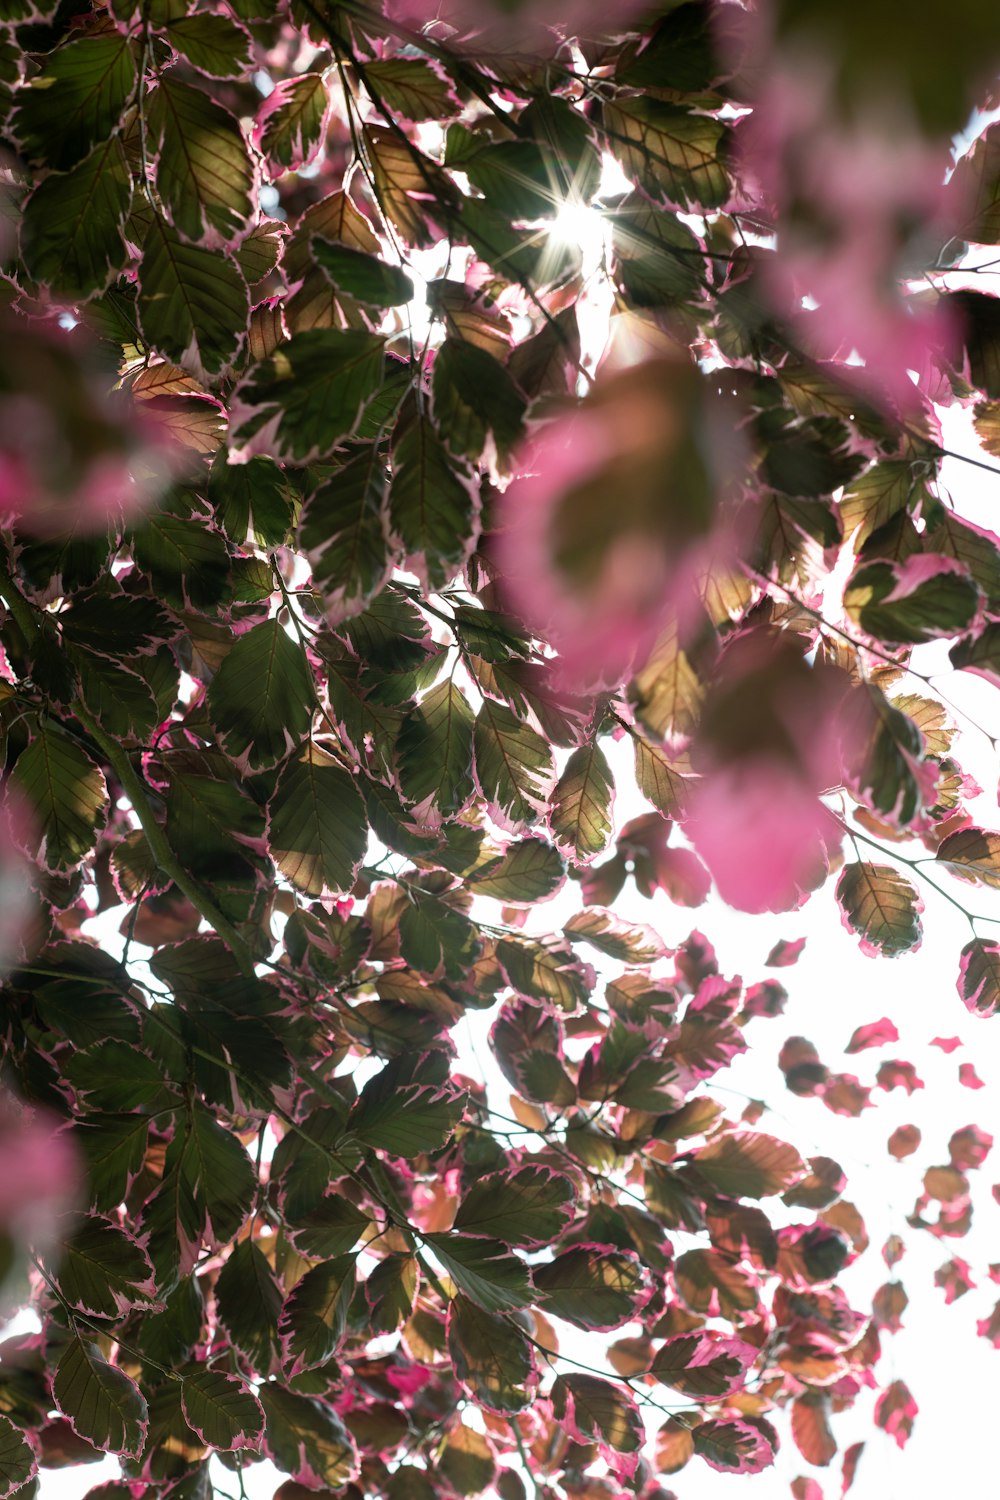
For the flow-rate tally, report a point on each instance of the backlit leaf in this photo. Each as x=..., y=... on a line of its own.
x=193, y=302
x=103, y=1404
x=580, y=815
x=882, y=907
x=203, y=172
x=221, y=1410
x=308, y=396
x=261, y=699
x=528, y=1207
x=317, y=829
x=490, y=1355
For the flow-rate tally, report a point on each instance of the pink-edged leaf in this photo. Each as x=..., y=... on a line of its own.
x=898, y=1075
x=850, y=1466
x=978, y=980
x=895, y=1412
x=955, y=1279
x=530, y=1206
x=875, y=1034
x=893, y=1250
x=784, y=954
x=969, y=1147
x=989, y=1328
x=307, y=1439
x=968, y=1077
x=746, y=1164
x=594, y=1287
x=594, y=1410
x=223, y=1412
x=844, y=1095
x=768, y=998
x=18, y=1459
x=946, y=1043
x=733, y=1447
x=704, y=1365
x=904, y=1141
x=888, y=1305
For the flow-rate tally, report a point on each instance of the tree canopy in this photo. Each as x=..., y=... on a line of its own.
x=405, y=410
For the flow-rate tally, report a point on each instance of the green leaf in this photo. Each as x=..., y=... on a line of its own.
x=546, y=969
x=580, y=816
x=103, y=1272
x=391, y=1290
x=514, y=767
x=206, y=1192
x=880, y=493
x=330, y=1229
x=972, y=546
x=475, y=397
x=530, y=1206
x=882, y=907
x=18, y=1464
x=203, y=172
x=317, y=829
x=417, y=88
x=667, y=692
x=972, y=854
x=490, y=1356
x=659, y=779
x=344, y=534
x=531, y=870
x=314, y=1318
x=364, y=277
x=591, y=1286
x=252, y=501
x=76, y=100
x=115, y=1076
x=912, y=602
x=188, y=562
x=118, y=698
x=193, y=303
x=436, y=939
x=113, y=1148
x=631, y=942
x=596, y=1410
x=484, y=1269
x=434, y=752
x=307, y=1439
x=433, y=506
x=979, y=976
x=71, y=225
x=248, y=1302
x=747, y=1165
x=406, y=1120
x=514, y=176
x=299, y=404
x=213, y=44
x=221, y=1410
x=291, y=123
x=675, y=156
x=733, y=1446
x=100, y=1401
x=261, y=700
x=66, y=794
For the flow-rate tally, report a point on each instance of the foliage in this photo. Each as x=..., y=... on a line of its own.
x=337, y=574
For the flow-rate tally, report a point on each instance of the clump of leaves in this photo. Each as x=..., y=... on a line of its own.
x=329, y=608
